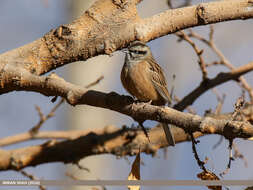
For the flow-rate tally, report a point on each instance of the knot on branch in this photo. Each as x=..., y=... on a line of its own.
x=230, y=131
x=61, y=32
x=73, y=98
x=58, y=43
x=201, y=14
x=205, y=82
x=207, y=125
x=236, y=129
x=16, y=164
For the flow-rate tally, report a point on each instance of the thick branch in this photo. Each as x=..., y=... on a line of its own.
x=109, y=140
x=110, y=25
x=53, y=85
x=205, y=13
x=83, y=143
x=107, y=26
x=246, y=114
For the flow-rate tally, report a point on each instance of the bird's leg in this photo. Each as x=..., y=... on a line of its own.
x=149, y=102
x=144, y=130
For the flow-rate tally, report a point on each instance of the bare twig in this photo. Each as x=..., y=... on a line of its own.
x=238, y=154
x=220, y=100
x=231, y=158
x=30, y=176
x=218, y=143
x=82, y=167
x=200, y=163
x=237, y=110
x=223, y=60
x=72, y=176
x=95, y=82
x=237, y=107
x=43, y=118
x=203, y=87
x=199, y=53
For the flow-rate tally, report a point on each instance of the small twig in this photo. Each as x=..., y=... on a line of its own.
x=71, y=176
x=219, y=79
x=237, y=110
x=211, y=33
x=239, y=155
x=220, y=100
x=200, y=163
x=144, y=130
x=95, y=82
x=213, y=63
x=199, y=53
x=30, y=176
x=82, y=167
x=231, y=158
x=237, y=107
x=223, y=60
x=43, y=118
x=218, y=143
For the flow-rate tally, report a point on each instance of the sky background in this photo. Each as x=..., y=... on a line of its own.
x=23, y=21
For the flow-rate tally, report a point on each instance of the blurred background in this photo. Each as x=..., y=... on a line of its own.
x=23, y=21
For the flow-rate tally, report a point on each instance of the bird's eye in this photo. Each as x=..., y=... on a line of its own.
x=139, y=52
x=142, y=52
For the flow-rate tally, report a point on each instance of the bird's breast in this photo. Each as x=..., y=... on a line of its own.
x=137, y=81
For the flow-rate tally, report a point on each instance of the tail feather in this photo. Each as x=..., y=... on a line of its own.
x=168, y=134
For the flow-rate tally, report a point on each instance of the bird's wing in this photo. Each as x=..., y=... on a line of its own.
x=159, y=80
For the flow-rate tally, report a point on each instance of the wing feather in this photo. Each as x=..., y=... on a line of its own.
x=159, y=80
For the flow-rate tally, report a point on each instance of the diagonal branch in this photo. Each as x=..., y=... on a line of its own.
x=180, y=136
x=223, y=60
x=53, y=85
x=84, y=143
x=202, y=65
x=120, y=142
x=210, y=83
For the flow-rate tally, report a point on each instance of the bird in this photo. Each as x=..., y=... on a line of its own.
x=144, y=79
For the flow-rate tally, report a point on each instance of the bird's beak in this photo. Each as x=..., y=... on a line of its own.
x=125, y=50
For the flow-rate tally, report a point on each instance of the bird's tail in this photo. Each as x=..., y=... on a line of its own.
x=168, y=134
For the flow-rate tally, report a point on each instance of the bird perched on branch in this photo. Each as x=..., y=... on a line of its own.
x=143, y=78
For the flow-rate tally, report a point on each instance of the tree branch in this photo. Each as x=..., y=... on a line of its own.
x=120, y=142
x=103, y=31
x=210, y=83
x=223, y=60
x=111, y=140
x=53, y=85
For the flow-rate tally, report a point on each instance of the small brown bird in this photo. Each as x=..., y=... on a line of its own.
x=143, y=78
